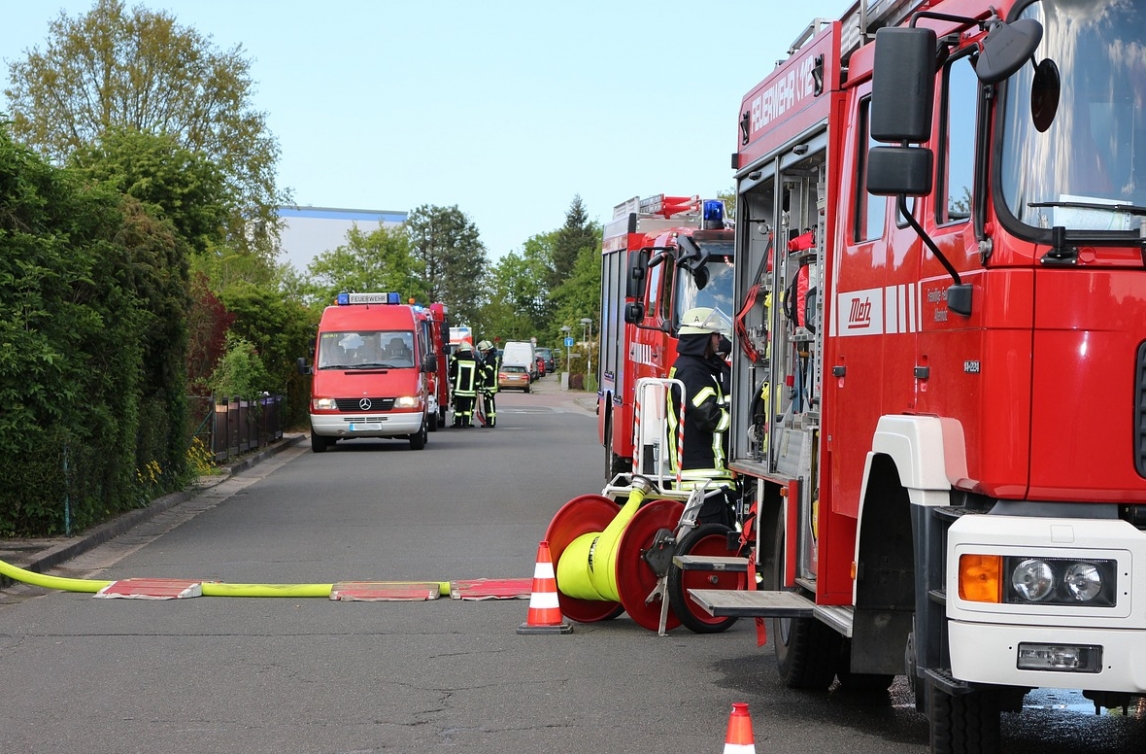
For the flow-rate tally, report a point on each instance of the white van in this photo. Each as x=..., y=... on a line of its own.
x=520, y=353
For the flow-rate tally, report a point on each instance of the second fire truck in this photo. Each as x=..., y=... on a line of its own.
x=660, y=257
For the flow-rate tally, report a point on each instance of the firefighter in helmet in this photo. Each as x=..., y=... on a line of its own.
x=706, y=419
x=464, y=378
x=489, y=366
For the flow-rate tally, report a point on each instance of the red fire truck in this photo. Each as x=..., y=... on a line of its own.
x=660, y=257
x=940, y=380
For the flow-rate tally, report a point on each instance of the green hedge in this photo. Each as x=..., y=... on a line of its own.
x=92, y=350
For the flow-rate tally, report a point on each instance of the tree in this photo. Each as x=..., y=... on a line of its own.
x=453, y=258
x=576, y=235
x=180, y=185
x=140, y=71
x=380, y=260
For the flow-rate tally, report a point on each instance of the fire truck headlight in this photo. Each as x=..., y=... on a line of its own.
x=1083, y=581
x=407, y=401
x=1033, y=580
x=1062, y=581
x=323, y=404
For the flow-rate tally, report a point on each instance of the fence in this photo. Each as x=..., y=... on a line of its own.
x=237, y=426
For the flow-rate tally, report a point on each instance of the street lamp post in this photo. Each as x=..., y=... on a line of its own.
x=587, y=330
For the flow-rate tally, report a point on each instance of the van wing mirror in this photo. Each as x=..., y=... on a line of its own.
x=429, y=363
x=303, y=369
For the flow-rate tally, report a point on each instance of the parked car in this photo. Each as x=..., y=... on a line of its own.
x=513, y=376
x=550, y=361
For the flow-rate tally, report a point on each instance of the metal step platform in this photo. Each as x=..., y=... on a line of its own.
x=710, y=563
x=744, y=604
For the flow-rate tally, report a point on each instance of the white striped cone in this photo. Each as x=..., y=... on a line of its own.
x=544, y=609
x=739, y=739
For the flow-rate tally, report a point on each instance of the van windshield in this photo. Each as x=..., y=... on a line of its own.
x=366, y=349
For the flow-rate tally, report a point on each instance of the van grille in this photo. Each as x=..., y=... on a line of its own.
x=1140, y=412
x=355, y=404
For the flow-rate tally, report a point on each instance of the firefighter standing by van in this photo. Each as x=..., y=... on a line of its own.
x=489, y=367
x=464, y=378
x=706, y=418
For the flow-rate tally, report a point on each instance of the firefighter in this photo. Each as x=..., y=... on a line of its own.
x=706, y=417
x=464, y=378
x=489, y=367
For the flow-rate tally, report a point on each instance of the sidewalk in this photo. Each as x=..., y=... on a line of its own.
x=39, y=555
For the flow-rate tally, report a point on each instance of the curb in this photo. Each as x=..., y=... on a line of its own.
x=97, y=535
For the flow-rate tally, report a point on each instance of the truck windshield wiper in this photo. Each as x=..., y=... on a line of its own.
x=1130, y=209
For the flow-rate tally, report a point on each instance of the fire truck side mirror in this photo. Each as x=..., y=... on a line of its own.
x=635, y=282
x=429, y=363
x=1007, y=48
x=903, y=84
x=303, y=369
x=892, y=171
x=634, y=313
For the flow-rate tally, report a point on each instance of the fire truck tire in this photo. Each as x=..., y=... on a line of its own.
x=432, y=421
x=319, y=444
x=418, y=439
x=859, y=682
x=442, y=416
x=964, y=723
x=705, y=540
x=614, y=464
x=807, y=651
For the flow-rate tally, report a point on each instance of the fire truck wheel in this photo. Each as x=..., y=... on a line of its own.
x=614, y=464
x=964, y=723
x=442, y=416
x=859, y=682
x=807, y=651
x=709, y=540
x=432, y=421
x=319, y=444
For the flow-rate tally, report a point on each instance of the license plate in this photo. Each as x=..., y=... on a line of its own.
x=365, y=426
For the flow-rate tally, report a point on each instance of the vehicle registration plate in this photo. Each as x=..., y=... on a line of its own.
x=365, y=426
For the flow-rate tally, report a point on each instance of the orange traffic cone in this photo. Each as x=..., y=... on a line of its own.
x=739, y=739
x=544, y=611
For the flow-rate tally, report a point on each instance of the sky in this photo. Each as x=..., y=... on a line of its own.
x=506, y=109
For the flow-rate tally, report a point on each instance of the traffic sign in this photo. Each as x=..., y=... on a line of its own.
x=568, y=341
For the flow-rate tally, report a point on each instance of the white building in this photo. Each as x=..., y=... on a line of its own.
x=309, y=231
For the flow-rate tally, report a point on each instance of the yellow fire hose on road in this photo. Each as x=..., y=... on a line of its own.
x=210, y=589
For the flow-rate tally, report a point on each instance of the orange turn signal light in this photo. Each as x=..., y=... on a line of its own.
x=981, y=578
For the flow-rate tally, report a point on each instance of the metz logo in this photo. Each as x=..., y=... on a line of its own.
x=860, y=315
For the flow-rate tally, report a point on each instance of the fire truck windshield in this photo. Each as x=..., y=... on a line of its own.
x=711, y=288
x=1080, y=165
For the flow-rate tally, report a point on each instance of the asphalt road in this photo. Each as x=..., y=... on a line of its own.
x=315, y=676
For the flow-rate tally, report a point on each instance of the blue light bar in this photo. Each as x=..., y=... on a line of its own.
x=713, y=214
x=391, y=297
x=343, y=299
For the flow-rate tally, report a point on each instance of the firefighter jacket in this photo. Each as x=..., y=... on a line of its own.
x=490, y=366
x=464, y=374
x=706, y=417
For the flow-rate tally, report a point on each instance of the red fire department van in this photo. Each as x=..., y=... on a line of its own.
x=660, y=257
x=379, y=371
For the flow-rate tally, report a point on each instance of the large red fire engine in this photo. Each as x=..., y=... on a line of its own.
x=660, y=257
x=939, y=368
x=940, y=382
